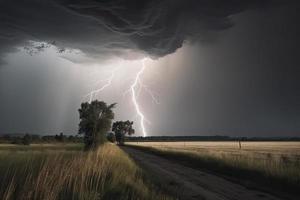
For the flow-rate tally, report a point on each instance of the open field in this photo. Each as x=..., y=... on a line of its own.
x=274, y=164
x=187, y=183
x=202, y=170
x=64, y=172
x=289, y=152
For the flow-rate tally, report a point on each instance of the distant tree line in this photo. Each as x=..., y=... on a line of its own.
x=207, y=138
x=27, y=139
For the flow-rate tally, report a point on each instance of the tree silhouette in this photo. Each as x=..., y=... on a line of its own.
x=95, y=120
x=121, y=128
x=60, y=137
x=26, y=139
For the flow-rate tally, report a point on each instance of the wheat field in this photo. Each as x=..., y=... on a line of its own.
x=290, y=150
x=274, y=160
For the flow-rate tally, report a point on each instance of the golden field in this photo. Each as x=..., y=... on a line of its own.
x=255, y=150
x=279, y=161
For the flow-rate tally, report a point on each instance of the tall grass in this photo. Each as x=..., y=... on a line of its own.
x=107, y=173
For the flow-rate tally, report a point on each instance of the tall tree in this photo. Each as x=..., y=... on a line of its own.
x=95, y=120
x=121, y=128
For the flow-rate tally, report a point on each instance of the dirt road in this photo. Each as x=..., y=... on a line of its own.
x=188, y=183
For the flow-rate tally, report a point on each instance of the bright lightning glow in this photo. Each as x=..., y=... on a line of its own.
x=154, y=95
x=108, y=83
x=134, y=90
x=136, y=105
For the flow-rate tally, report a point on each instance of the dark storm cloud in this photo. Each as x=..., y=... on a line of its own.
x=160, y=27
x=116, y=27
x=47, y=21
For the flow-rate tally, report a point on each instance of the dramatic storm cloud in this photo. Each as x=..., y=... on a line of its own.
x=118, y=28
x=160, y=27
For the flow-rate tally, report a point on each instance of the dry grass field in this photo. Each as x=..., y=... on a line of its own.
x=269, y=162
x=286, y=151
x=51, y=172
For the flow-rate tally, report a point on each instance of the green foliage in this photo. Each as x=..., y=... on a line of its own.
x=95, y=121
x=111, y=137
x=121, y=128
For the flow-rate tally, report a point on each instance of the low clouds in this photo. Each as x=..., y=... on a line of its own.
x=105, y=28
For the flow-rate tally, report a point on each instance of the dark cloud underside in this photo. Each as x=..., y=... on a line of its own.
x=117, y=27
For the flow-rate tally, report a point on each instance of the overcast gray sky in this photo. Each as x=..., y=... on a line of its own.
x=214, y=67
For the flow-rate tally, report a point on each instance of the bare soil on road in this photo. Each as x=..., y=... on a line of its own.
x=188, y=183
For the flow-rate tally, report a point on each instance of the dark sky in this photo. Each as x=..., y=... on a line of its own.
x=216, y=66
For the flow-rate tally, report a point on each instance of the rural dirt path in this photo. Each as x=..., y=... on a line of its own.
x=188, y=183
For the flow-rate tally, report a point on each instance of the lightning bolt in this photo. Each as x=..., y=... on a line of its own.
x=134, y=97
x=108, y=81
x=134, y=89
x=152, y=94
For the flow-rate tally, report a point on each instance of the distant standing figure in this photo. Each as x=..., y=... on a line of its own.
x=240, y=145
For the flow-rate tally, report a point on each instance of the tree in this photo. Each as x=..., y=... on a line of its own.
x=95, y=120
x=121, y=128
x=26, y=139
x=60, y=137
x=111, y=137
